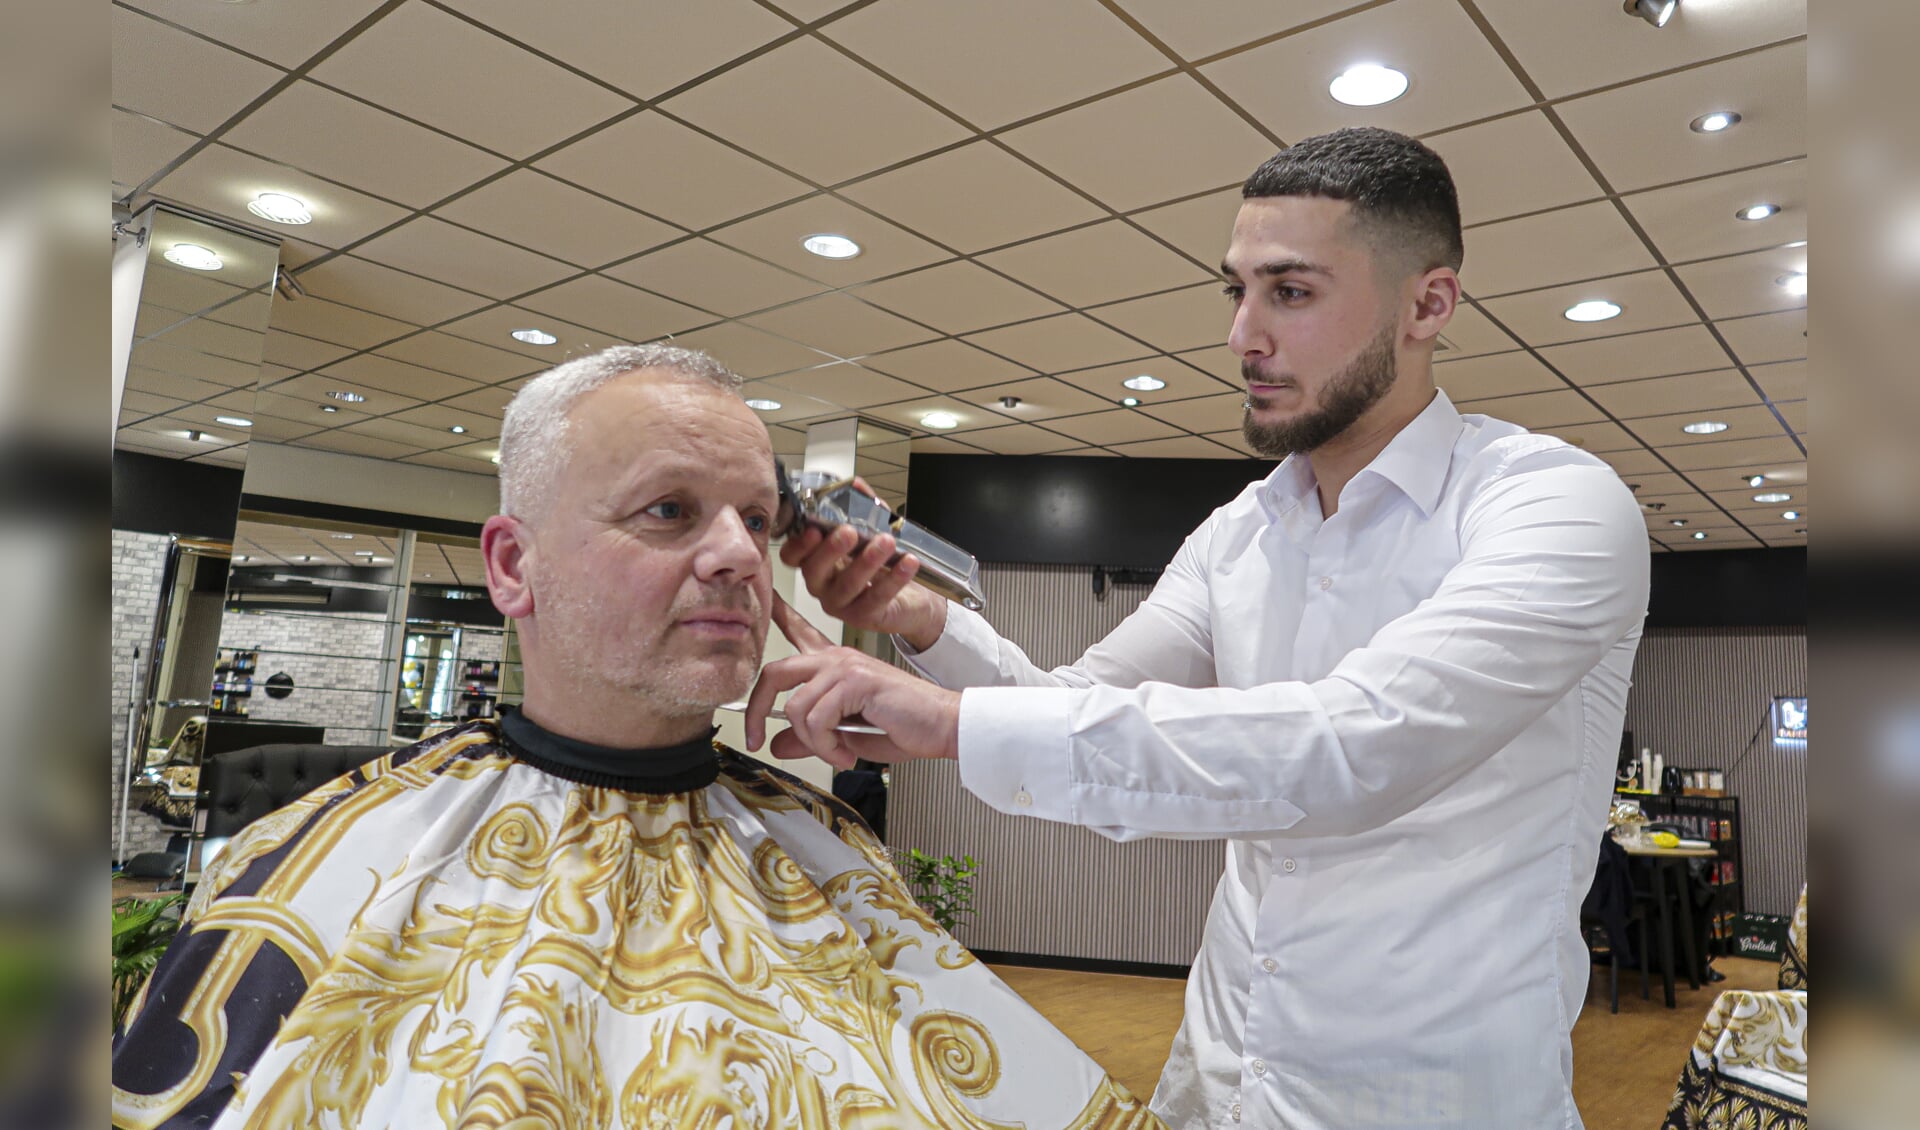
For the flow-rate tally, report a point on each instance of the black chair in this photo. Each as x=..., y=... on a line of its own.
x=240, y=787
x=1613, y=906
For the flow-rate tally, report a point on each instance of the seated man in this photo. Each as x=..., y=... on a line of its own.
x=588, y=914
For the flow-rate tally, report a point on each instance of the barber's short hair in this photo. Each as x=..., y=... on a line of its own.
x=1402, y=194
x=533, y=437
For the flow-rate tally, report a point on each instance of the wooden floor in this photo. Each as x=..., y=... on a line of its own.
x=1624, y=1065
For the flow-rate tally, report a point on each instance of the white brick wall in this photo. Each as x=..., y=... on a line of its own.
x=138, y=561
x=336, y=663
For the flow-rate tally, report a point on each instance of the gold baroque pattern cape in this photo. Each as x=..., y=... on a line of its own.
x=454, y=935
x=1748, y=1067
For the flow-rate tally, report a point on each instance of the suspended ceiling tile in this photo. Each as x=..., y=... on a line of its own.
x=286, y=34
x=615, y=308
x=940, y=198
x=488, y=403
x=1702, y=218
x=435, y=68
x=331, y=135
x=447, y=461
x=1120, y=425
x=216, y=339
x=752, y=353
x=942, y=445
x=301, y=410
x=971, y=418
x=1237, y=441
x=538, y=211
x=1021, y=439
x=1193, y=318
x=1734, y=454
x=1219, y=362
x=413, y=435
x=495, y=326
x=1750, y=422
x=387, y=375
x=1041, y=398
x=1718, y=539
x=1202, y=414
x=1471, y=334
x=644, y=49
x=366, y=285
x=1182, y=381
x=224, y=181
x=1196, y=142
x=314, y=387
x=1178, y=447
x=809, y=109
x=795, y=410
x=1538, y=411
x=168, y=358
x=1568, y=48
x=142, y=146
x=1456, y=76
x=1782, y=380
x=947, y=366
x=1647, y=300
x=1638, y=135
x=1092, y=265
x=275, y=429
x=331, y=322
x=957, y=297
x=1652, y=484
x=1494, y=374
x=1767, y=337
x=466, y=259
x=1481, y=157
x=352, y=443
x=463, y=358
x=1200, y=227
x=777, y=238
x=1597, y=438
x=660, y=166
x=1628, y=463
x=846, y=385
x=1634, y=356
x=1582, y=242
x=1039, y=55
x=1196, y=31
x=1060, y=343
x=141, y=404
x=841, y=325
x=711, y=277
x=175, y=77
x=1746, y=284
x=1694, y=392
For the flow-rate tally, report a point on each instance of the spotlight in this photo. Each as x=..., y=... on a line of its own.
x=830, y=246
x=193, y=257
x=280, y=208
x=1655, y=12
x=1592, y=310
x=1144, y=383
x=1794, y=283
x=1790, y=515
x=1704, y=427
x=1699, y=535
x=1368, y=84
x=1756, y=480
x=1714, y=122
x=458, y=429
x=940, y=421
x=1773, y=496
x=762, y=404
x=1130, y=401
x=1757, y=211
x=534, y=337
x=1009, y=402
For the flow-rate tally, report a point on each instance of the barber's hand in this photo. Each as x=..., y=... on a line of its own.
x=831, y=684
x=860, y=589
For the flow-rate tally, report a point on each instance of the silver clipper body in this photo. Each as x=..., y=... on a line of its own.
x=825, y=502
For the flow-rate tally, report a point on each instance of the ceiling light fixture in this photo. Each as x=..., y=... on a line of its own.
x=1144, y=383
x=940, y=420
x=494, y=458
x=1756, y=480
x=1757, y=211
x=241, y=557
x=1676, y=521
x=280, y=208
x=762, y=404
x=193, y=257
x=1655, y=12
x=458, y=430
x=1367, y=84
x=1795, y=283
x=234, y=421
x=1715, y=122
x=363, y=553
x=830, y=246
x=341, y=537
x=1130, y=401
x=195, y=435
x=303, y=557
x=1773, y=496
x=1592, y=310
x=1699, y=535
x=1009, y=402
x=328, y=408
x=1790, y=515
x=1704, y=427
x=534, y=337
x=345, y=397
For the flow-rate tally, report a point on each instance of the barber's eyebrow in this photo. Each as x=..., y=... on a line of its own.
x=1278, y=267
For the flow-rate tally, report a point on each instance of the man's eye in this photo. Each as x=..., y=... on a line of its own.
x=1290, y=293
x=758, y=523
x=669, y=511
x=1233, y=293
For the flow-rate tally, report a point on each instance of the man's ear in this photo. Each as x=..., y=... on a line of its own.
x=507, y=548
x=1435, y=296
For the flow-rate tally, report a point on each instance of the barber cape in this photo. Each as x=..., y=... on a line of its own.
x=501, y=927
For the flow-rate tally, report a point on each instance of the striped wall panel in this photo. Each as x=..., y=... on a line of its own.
x=1698, y=695
x=1047, y=888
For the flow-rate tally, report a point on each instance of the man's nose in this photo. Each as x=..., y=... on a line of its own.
x=1246, y=337
x=729, y=548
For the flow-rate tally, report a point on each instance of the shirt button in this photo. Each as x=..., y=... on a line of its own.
x=1269, y=965
x=1259, y=1067
x=1326, y=582
x=1024, y=799
x=1286, y=865
x=1236, y=1112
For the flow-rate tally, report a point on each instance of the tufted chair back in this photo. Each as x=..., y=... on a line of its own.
x=243, y=785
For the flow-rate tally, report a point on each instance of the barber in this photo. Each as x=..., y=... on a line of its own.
x=1392, y=674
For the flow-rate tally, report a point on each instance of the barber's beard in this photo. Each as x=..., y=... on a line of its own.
x=1341, y=403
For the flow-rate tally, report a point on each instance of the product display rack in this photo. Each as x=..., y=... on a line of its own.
x=232, y=682
x=480, y=688
x=1715, y=819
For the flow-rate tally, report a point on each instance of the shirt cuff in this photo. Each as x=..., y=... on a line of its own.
x=967, y=654
x=1016, y=749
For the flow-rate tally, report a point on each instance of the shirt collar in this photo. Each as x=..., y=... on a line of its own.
x=1416, y=461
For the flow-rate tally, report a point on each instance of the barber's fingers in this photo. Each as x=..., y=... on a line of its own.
x=787, y=746
x=851, y=582
x=797, y=546
x=820, y=566
x=805, y=638
x=780, y=675
x=872, y=605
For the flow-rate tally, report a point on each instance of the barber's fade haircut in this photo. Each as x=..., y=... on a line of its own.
x=1402, y=194
x=533, y=435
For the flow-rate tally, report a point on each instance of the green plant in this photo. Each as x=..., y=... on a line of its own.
x=142, y=930
x=942, y=885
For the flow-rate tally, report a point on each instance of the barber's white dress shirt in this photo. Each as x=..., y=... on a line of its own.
x=1405, y=720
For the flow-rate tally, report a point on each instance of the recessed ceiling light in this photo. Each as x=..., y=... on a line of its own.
x=458, y=429
x=534, y=337
x=1757, y=211
x=363, y=553
x=1756, y=480
x=280, y=208
x=1795, y=283
x=328, y=408
x=1676, y=521
x=1773, y=496
x=762, y=404
x=193, y=257
x=303, y=557
x=1704, y=427
x=1699, y=535
x=241, y=557
x=195, y=435
x=1144, y=383
x=346, y=397
x=1715, y=122
x=341, y=537
x=1130, y=401
x=1009, y=402
x=379, y=560
x=1367, y=84
x=1655, y=12
x=1592, y=310
x=234, y=421
x=1790, y=515
x=940, y=420
x=830, y=246
x=494, y=458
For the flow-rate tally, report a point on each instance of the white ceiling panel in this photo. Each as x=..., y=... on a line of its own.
x=1574, y=47
x=1648, y=300
x=1178, y=320
x=1746, y=284
x=1494, y=374
x=1634, y=356
x=1695, y=392
x=1092, y=265
x=938, y=198
x=841, y=325
x=1767, y=337
x=709, y=276
x=224, y=181
x=777, y=237
x=1481, y=157
x=466, y=259
x=167, y=74
x=1585, y=241
x=284, y=33
x=947, y=366
x=1701, y=218
x=958, y=297
x=366, y=285
x=1060, y=343
x=1197, y=31
x=615, y=309
x=660, y=166
x=142, y=146
x=535, y=210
